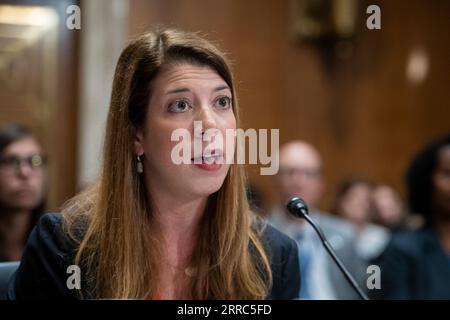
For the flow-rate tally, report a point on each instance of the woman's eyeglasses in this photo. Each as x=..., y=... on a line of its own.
x=35, y=161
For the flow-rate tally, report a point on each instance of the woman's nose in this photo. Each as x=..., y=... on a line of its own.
x=24, y=170
x=206, y=118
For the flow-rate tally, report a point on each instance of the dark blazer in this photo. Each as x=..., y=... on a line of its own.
x=42, y=271
x=414, y=266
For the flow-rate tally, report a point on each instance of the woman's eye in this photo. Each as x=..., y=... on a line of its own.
x=223, y=102
x=179, y=106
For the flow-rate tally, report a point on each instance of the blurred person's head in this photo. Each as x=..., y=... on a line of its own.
x=354, y=201
x=300, y=173
x=388, y=206
x=22, y=170
x=428, y=181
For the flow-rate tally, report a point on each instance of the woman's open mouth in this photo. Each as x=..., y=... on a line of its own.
x=209, y=162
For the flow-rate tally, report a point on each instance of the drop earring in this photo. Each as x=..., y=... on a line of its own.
x=139, y=166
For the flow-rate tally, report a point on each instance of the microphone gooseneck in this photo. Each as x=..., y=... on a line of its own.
x=299, y=209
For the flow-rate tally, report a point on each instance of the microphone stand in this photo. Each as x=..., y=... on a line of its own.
x=299, y=209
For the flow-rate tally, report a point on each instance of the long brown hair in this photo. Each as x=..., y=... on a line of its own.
x=111, y=221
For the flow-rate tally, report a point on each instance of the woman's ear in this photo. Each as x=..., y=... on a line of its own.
x=138, y=142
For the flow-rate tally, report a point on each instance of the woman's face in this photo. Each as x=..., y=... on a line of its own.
x=22, y=175
x=356, y=204
x=182, y=94
x=387, y=204
x=441, y=182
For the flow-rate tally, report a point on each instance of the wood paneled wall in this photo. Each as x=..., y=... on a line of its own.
x=361, y=112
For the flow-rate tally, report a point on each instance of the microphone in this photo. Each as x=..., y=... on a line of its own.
x=299, y=209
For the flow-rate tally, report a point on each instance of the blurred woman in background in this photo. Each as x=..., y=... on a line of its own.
x=354, y=203
x=390, y=211
x=22, y=188
x=416, y=264
x=388, y=207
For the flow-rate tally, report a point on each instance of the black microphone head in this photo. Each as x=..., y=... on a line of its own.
x=297, y=207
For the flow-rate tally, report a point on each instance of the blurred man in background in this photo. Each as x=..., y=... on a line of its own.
x=22, y=188
x=300, y=174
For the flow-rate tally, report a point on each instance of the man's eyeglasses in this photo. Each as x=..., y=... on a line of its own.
x=35, y=161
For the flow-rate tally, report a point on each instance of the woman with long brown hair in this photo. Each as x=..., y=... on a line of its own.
x=150, y=228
